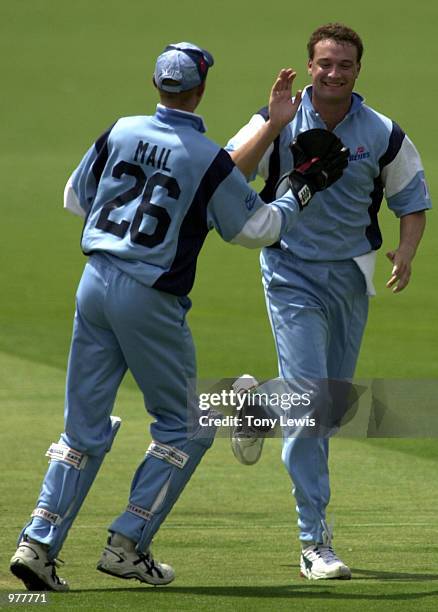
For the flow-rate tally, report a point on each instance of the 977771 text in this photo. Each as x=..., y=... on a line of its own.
x=27, y=598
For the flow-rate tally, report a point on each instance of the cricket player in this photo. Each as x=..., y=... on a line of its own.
x=318, y=277
x=150, y=188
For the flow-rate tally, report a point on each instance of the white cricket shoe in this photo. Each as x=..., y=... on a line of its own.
x=247, y=448
x=246, y=442
x=121, y=563
x=30, y=564
x=319, y=562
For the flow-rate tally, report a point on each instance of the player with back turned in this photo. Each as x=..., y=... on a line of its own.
x=318, y=277
x=150, y=189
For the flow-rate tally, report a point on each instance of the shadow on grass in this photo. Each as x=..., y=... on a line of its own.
x=303, y=591
x=359, y=574
x=363, y=574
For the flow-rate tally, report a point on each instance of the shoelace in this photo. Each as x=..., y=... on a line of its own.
x=326, y=553
x=147, y=559
x=55, y=563
x=149, y=562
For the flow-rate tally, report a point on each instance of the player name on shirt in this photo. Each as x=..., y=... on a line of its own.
x=152, y=155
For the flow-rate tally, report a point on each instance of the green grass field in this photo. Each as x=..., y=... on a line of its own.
x=69, y=70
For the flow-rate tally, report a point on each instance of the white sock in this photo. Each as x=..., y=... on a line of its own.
x=117, y=539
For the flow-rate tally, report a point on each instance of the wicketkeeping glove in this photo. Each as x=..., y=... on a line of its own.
x=319, y=160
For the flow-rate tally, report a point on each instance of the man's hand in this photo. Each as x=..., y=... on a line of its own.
x=282, y=109
x=411, y=231
x=401, y=270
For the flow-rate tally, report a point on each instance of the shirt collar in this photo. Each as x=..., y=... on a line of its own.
x=356, y=102
x=177, y=117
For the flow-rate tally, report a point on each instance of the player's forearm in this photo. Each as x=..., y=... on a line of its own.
x=248, y=156
x=269, y=223
x=411, y=231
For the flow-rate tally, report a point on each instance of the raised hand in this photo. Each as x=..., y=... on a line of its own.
x=282, y=109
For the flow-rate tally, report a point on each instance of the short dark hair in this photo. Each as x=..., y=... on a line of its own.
x=338, y=32
x=173, y=96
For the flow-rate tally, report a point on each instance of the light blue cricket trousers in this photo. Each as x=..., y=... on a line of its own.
x=318, y=312
x=120, y=324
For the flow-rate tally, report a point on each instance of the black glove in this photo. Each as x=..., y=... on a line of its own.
x=319, y=160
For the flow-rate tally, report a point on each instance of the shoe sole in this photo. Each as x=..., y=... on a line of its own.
x=103, y=569
x=32, y=581
x=345, y=577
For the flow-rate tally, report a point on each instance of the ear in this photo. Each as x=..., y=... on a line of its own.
x=197, y=94
x=359, y=66
x=309, y=66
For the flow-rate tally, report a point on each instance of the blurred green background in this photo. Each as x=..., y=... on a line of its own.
x=69, y=69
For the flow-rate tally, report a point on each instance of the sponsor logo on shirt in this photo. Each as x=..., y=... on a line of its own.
x=250, y=200
x=361, y=153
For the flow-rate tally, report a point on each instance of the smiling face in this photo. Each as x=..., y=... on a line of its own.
x=334, y=69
